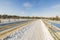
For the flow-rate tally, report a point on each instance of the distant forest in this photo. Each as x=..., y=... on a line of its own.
x=27, y=17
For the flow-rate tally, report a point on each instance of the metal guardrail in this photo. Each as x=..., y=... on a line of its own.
x=52, y=31
x=15, y=29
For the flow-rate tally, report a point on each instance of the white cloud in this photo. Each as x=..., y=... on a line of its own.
x=27, y=5
x=51, y=11
x=56, y=6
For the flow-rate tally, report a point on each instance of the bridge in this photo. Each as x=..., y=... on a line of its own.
x=25, y=30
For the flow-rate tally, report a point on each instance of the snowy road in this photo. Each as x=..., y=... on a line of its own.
x=38, y=31
x=34, y=31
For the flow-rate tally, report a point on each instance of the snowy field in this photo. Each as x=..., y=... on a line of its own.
x=12, y=20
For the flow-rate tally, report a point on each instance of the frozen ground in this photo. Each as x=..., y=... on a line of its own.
x=11, y=20
x=35, y=31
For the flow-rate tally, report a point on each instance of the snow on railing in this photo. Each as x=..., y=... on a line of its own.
x=17, y=35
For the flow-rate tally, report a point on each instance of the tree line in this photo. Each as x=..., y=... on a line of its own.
x=55, y=18
x=18, y=17
x=9, y=16
x=27, y=17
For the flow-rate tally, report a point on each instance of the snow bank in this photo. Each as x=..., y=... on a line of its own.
x=17, y=35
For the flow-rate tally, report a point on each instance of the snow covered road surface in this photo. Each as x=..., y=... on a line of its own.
x=38, y=31
x=35, y=31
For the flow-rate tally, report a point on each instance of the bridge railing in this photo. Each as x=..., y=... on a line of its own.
x=53, y=30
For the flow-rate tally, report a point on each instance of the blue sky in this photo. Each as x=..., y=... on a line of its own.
x=30, y=7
